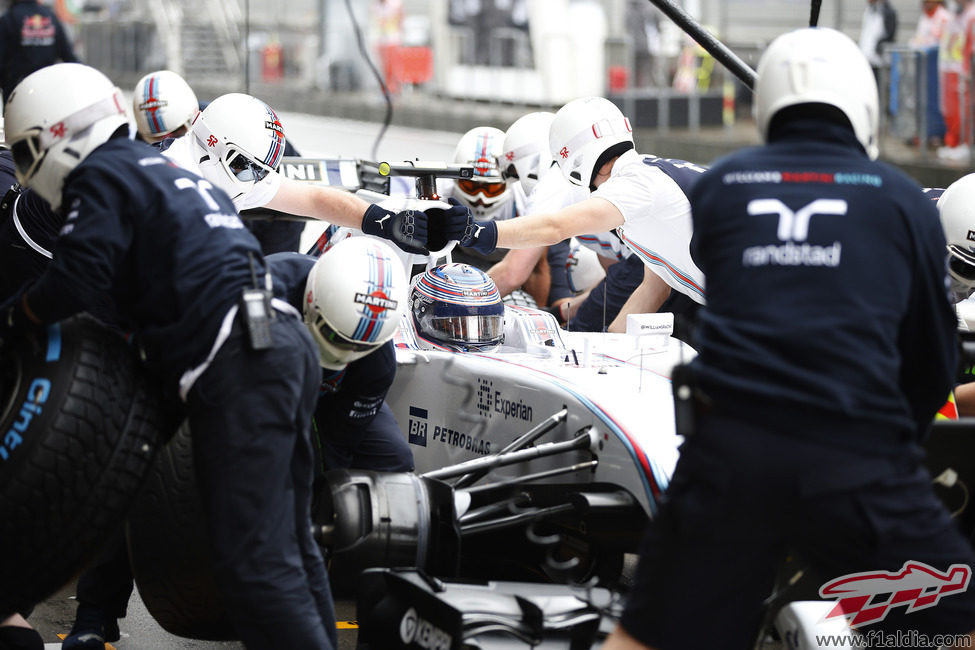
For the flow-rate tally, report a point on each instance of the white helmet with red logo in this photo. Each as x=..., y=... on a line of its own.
x=957, y=209
x=54, y=118
x=585, y=134
x=243, y=141
x=354, y=298
x=163, y=104
x=525, y=155
x=486, y=194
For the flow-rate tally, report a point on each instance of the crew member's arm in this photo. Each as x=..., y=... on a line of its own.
x=515, y=268
x=645, y=299
x=591, y=215
x=407, y=229
x=319, y=202
x=542, y=229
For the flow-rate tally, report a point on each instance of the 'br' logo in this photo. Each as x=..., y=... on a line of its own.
x=418, y=426
x=212, y=141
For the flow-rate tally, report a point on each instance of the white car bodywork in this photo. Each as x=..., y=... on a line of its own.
x=458, y=406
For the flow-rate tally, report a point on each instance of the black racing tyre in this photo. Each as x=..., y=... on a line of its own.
x=168, y=548
x=81, y=423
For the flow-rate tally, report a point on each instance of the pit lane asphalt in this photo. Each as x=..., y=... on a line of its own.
x=313, y=136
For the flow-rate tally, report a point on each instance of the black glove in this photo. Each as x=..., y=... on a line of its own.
x=459, y=225
x=406, y=229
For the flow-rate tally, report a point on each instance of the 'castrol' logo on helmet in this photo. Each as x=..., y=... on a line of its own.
x=377, y=301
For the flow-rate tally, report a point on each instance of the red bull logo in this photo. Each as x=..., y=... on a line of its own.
x=916, y=586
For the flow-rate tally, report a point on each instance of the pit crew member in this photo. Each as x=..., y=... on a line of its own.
x=171, y=252
x=958, y=220
x=165, y=106
x=527, y=161
x=825, y=349
x=352, y=299
x=237, y=142
x=643, y=197
x=490, y=197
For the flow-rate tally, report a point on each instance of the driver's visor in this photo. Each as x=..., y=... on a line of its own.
x=470, y=329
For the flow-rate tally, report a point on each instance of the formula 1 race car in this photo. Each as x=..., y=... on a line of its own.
x=541, y=461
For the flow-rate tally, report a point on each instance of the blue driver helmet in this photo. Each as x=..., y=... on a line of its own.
x=458, y=306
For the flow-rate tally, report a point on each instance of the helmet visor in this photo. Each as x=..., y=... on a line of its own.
x=961, y=264
x=476, y=329
x=27, y=155
x=247, y=170
x=336, y=339
x=489, y=190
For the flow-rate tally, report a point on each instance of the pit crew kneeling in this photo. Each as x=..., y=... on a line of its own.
x=352, y=299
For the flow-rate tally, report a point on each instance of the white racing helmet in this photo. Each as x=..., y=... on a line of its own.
x=525, y=156
x=163, y=103
x=54, y=118
x=355, y=296
x=818, y=65
x=957, y=209
x=459, y=307
x=585, y=134
x=486, y=194
x=243, y=140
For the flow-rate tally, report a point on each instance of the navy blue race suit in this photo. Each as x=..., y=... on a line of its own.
x=356, y=428
x=172, y=254
x=31, y=37
x=826, y=346
x=28, y=228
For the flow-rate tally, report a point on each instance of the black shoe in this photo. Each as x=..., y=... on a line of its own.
x=92, y=628
x=20, y=638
